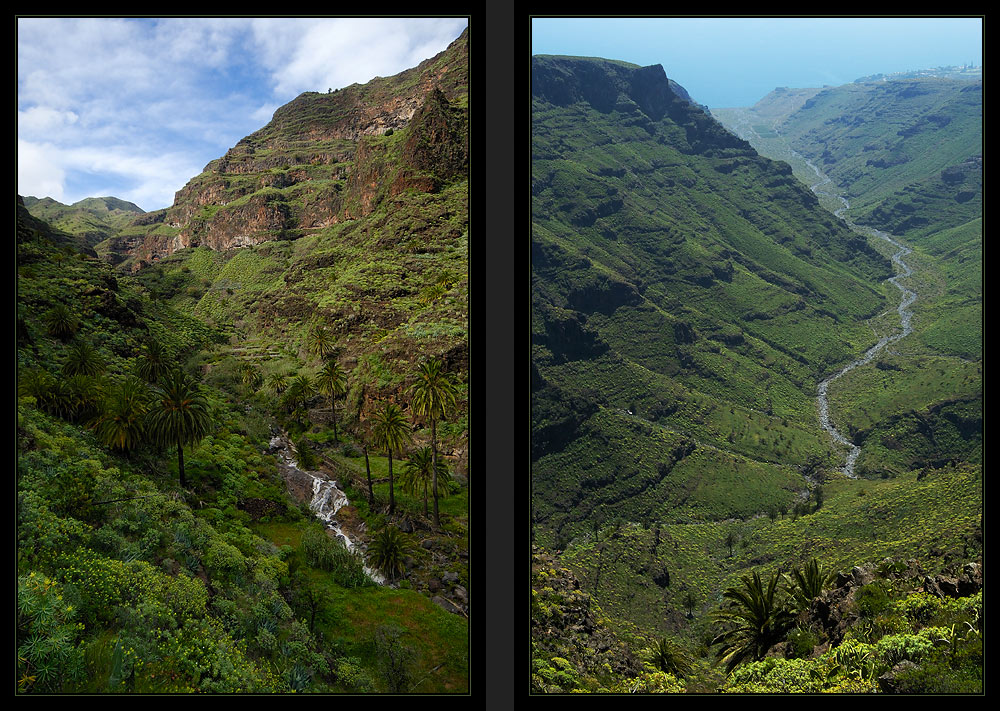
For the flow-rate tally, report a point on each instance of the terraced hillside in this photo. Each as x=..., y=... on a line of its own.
x=906, y=156
x=688, y=295
x=349, y=211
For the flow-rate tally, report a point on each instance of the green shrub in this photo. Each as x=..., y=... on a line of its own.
x=47, y=653
x=326, y=553
x=801, y=642
x=872, y=599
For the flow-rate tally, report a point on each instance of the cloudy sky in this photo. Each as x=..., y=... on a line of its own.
x=735, y=61
x=134, y=108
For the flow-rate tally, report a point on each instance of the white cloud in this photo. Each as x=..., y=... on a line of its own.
x=264, y=113
x=141, y=105
x=332, y=53
x=41, y=119
x=38, y=171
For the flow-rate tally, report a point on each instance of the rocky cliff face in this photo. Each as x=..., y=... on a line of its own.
x=323, y=159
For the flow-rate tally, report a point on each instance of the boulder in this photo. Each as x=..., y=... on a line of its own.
x=887, y=683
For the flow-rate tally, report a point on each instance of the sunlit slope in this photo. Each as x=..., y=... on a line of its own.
x=909, y=152
x=687, y=296
x=908, y=156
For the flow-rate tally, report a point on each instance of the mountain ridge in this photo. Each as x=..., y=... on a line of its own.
x=321, y=160
x=670, y=260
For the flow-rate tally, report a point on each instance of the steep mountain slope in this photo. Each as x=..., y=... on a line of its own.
x=687, y=296
x=906, y=154
x=322, y=160
x=348, y=211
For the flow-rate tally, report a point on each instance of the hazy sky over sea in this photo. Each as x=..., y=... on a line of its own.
x=134, y=108
x=728, y=62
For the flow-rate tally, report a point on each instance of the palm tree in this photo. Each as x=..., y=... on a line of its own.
x=300, y=392
x=154, y=361
x=417, y=474
x=387, y=552
x=368, y=471
x=670, y=657
x=321, y=342
x=61, y=322
x=730, y=541
x=278, y=383
x=434, y=394
x=121, y=423
x=87, y=392
x=756, y=621
x=179, y=415
x=690, y=602
x=82, y=359
x=807, y=584
x=391, y=432
x=332, y=381
x=250, y=377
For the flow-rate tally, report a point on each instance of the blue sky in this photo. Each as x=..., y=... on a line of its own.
x=134, y=108
x=728, y=62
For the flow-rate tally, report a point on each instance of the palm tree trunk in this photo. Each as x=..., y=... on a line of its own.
x=368, y=471
x=333, y=409
x=425, y=497
x=434, y=471
x=180, y=463
x=392, y=498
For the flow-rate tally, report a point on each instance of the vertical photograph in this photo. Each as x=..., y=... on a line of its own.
x=756, y=450
x=243, y=376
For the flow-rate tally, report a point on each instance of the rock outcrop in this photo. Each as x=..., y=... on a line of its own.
x=566, y=624
x=323, y=159
x=835, y=611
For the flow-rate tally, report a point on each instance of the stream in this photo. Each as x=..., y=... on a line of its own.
x=745, y=129
x=905, y=317
x=327, y=498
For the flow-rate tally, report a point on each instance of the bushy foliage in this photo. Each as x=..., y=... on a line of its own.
x=48, y=654
x=388, y=551
x=329, y=554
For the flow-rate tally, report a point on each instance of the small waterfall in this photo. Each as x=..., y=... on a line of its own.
x=327, y=500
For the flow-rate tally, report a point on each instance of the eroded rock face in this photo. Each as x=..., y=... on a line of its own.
x=323, y=159
x=835, y=611
x=563, y=623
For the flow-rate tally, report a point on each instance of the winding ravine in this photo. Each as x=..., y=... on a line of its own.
x=905, y=317
x=327, y=499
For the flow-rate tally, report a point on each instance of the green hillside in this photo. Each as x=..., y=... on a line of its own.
x=182, y=386
x=93, y=219
x=687, y=297
x=921, y=404
x=912, y=148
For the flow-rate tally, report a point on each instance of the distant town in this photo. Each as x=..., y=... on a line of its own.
x=967, y=71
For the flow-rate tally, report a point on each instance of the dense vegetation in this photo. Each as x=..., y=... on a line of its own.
x=165, y=544
x=921, y=405
x=687, y=296
x=131, y=579
x=688, y=519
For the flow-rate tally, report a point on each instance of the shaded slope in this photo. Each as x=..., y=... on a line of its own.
x=681, y=284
